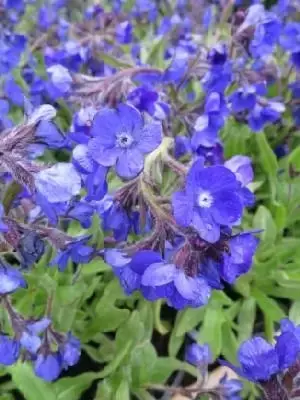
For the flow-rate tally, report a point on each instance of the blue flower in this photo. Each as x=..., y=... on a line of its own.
x=146, y=99
x=288, y=344
x=164, y=279
x=198, y=355
x=124, y=32
x=58, y=183
x=82, y=212
x=244, y=98
x=208, y=125
x=11, y=279
x=290, y=37
x=5, y=121
x=114, y=217
x=31, y=248
x=61, y=80
x=230, y=389
x=266, y=35
x=258, y=360
x=210, y=199
x=9, y=350
x=30, y=339
x=77, y=250
x=13, y=91
x=3, y=226
x=121, y=138
x=48, y=366
x=262, y=115
x=241, y=166
x=70, y=351
x=239, y=258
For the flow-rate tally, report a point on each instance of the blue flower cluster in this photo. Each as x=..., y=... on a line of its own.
x=141, y=156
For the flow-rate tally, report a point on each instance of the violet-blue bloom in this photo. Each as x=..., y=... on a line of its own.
x=58, y=183
x=239, y=260
x=288, y=344
x=122, y=138
x=210, y=199
x=114, y=217
x=48, y=367
x=208, y=125
x=61, y=79
x=262, y=115
x=77, y=250
x=11, y=279
x=266, y=35
x=166, y=280
x=9, y=350
x=70, y=351
x=258, y=359
x=198, y=355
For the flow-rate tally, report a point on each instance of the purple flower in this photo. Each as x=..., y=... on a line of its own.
x=145, y=99
x=210, y=199
x=241, y=166
x=230, y=389
x=239, y=259
x=70, y=351
x=13, y=91
x=288, y=344
x=77, y=250
x=124, y=32
x=61, y=80
x=58, y=183
x=48, y=367
x=11, y=279
x=82, y=212
x=9, y=350
x=262, y=115
x=114, y=217
x=30, y=339
x=3, y=226
x=258, y=359
x=130, y=270
x=49, y=135
x=244, y=99
x=266, y=35
x=290, y=37
x=198, y=355
x=164, y=279
x=208, y=125
x=121, y=138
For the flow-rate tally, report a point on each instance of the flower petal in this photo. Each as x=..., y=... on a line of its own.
x=159, y=274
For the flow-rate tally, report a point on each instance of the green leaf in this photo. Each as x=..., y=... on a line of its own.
x=161, y=326
x=30, y=386
x=123, y=392
x=94, y=267
x=267, y=156
x=165, y=366
x=268, y=306
x=294, y=157
x=117, y=360
x=294, y=313
x=263, y=220
x=236, y=137
x=246, y=319
x=211, y=329
x=112, y=61
x=143, y=360
x=109, y=318
x=132, y=330
x=71, y=388
x=229, y=343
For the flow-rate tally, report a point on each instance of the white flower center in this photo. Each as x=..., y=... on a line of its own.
x=205, y=199
x=124, y=139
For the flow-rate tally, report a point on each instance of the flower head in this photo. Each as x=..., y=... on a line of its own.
x=121, y=138
x=210, y=199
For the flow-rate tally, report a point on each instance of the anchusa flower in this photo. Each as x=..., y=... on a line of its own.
x=122, y=139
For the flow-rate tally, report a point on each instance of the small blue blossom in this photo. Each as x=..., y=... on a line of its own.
x=208, y=125
x=77, y=250
x=210, y=199
x=198, y=355
x=9, y=350
x=70, y=351
x=58, y=183
x=61, y=80
x=11, y=279
x=265, y=114
x=258, y=360
x=114, y=217
x=121, y=138
x=266, y=35
x=48, y=366
x=230, y=389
